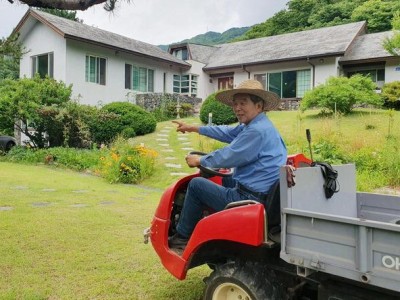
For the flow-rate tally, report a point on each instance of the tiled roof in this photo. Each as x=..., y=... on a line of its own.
x=201, y=53
x=310, y=43
x=367, y=46
x=73, y=29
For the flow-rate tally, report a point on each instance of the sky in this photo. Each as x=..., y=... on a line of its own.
x=162, y=21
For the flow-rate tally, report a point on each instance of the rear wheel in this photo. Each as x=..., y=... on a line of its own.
x=9, y=146
x=242, y=280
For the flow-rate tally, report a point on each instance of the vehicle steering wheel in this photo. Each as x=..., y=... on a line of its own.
x=209, y=172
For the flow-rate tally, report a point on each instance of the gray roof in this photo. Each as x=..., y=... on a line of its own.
x=310, y=43
x=367, y=47
x=76, y=30
x=201, y=53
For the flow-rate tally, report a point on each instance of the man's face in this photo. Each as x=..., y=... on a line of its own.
x=245, y=109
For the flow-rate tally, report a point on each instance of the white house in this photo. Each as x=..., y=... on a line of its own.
x=106, y=67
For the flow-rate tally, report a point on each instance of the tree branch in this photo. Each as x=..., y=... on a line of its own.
x=67, y=4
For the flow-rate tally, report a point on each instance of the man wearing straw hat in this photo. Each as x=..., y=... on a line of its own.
x=255, y=149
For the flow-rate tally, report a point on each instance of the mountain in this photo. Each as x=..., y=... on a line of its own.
x=212, y=37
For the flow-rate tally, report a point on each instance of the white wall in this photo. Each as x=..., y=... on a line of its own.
x=114, y=90
x=40, y=40
x=392, y=71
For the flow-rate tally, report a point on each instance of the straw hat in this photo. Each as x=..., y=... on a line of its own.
x=253, y=87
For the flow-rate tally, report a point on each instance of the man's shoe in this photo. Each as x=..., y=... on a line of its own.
x=177, y=241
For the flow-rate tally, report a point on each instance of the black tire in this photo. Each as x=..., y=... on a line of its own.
x=246, y=281
x=9, y=145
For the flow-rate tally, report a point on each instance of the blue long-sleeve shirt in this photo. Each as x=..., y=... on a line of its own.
x=256, y=151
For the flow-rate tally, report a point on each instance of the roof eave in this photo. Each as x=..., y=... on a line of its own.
x=273, y=61
x=72, y=37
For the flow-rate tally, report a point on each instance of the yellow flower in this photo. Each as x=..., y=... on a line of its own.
x=102, y=158
x=114, y=156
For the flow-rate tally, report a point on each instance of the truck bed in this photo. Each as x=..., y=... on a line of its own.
x=351, y=235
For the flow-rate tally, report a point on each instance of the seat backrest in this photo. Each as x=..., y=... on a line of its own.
x=273, y=205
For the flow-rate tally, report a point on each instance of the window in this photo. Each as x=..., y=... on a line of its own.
x=262, y=78
x=95, y=70
x=290, y=84
x=43, y=65
x=181, y=53
x=377, y=74
x=139, y=79
x=186, y=84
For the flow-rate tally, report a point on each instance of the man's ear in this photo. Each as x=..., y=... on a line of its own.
x=260, y=106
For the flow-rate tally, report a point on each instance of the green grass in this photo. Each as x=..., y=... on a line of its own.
x=69, y=251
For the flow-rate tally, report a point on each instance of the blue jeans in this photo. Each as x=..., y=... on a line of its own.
x=203, y=193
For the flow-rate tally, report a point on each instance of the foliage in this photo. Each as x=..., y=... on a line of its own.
x=310, y=14
x=66, y=14
x=167, y=111
x=221, y=113
x=71, y=158
x=391, y=94
x=392, y=44
x=11, y=52
x=119, y=117
x=36, y=103
x=377, y=13
x=109, y=5
x=126, y=163
x=340, y=94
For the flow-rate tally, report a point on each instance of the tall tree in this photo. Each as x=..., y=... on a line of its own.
x=109, y=5
x=392, y=45
x=11, y=52
x=378, y=14
x=67, y=14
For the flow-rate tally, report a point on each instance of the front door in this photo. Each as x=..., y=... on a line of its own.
x=225, y=83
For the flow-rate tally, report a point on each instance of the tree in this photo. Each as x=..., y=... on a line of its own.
x=33, y=102
x=392, y=45
x=340, y=94
x=11, y=52
x=66, y=14
x=377, y=13
x=109, y=5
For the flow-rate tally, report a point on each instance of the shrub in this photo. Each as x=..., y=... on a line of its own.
x=221, y=113
x=341, y=94
x=391, y=94
x=75, y=159
x=34, y=100
x=122, y=118
x=126, y=163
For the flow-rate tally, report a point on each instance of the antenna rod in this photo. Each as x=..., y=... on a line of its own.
x=308, y=133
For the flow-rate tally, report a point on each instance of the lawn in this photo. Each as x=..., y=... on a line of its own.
x=67, y=235
x=70, y=235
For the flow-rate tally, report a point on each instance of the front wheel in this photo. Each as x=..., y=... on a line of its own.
x=242, y=280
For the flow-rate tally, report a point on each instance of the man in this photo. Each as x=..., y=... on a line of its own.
x=255, y=150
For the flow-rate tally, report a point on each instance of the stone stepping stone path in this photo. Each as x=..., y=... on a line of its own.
x=41, y=204
x=162, y=140
x=19, y=187
x=179, y=174
x=48, y=190
x=183, y=139
x=80, y=191
x=79, y=205
x=164, y=145
x=136, y=198
x=167, y=150
x=188, y=149
x=175, y=166
x=165, y=131
x=6, y=208
x=162, y=134
x=168, y=127
x=186, y=143
x=170, y=158
x=107, y=202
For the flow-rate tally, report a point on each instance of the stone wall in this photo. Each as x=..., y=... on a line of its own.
x=155, y=100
